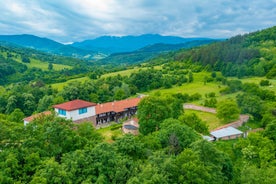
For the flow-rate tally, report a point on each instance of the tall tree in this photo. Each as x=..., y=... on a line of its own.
x=151, y=112
x=228, y=111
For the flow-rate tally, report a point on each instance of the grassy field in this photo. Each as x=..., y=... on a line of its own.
x=60, y=86
x=39, y=64
x=211, y=119
x=197, y=86
x=128, y=72
x=122, y=73
x=257, y=80
x=44, y=66
x=110, y=134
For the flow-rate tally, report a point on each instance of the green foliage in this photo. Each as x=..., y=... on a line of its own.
x=270, y=131
x=16, y=116
x=271, y=74
x=250, y=104
x=151, y=112
x=193, y=121
x=25, y=59
x=211, y=102
x=190, y=77
x=44, y=103
x=176, y=136
x=253, y=174
x=192, y=169
x=146, y=79
x=50, y=66
x=264, y=83
x=257, y=150
x=50, y=171
x=215, y=159
x=131, y=146
x=154, y=110
x=228, y=111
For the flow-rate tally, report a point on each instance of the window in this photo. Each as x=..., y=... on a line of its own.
x=62, y=112
x=82, y=110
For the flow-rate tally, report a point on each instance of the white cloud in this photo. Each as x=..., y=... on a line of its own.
x=75, y=20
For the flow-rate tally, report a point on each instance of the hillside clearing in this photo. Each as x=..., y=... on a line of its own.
x=109, y=133
x=128, y=72
x=59, y=86
x=211, y=120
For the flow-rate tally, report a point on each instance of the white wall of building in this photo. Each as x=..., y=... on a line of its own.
x=74, y=115
x=26, y=122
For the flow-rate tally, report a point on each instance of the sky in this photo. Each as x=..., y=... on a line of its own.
x=76, y=20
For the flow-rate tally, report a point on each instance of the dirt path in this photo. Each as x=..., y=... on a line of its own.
x=243, y=117
x=200, y=108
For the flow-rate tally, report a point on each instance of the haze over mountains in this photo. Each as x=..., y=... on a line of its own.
x=101, y=47
x=114, y=44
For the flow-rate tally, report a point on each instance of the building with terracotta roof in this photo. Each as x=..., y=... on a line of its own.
x=83, y=111
x=114, y=111
x=36, y=116
x=76, y=110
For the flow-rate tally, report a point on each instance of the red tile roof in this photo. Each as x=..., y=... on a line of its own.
x=117, y=106
x=31, y=118
x=73, y=105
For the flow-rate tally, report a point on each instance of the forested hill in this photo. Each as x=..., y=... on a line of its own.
x=242, y=55
x=18, y=64
x=151, y=51
x=46, y=45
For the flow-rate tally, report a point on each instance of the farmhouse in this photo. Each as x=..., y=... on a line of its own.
x=226, y=133
x=82, y=111
x=77, y=110
x=33, y=117
x=114, y=111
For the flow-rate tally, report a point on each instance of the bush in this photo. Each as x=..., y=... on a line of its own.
x=116, y=126
x=264, y=83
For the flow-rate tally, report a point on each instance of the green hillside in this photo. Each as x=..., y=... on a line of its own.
x=150, y=52
x=18, y=64
x=251, y=54
x=47, y=45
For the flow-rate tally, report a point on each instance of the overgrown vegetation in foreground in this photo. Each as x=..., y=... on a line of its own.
x=169, y=150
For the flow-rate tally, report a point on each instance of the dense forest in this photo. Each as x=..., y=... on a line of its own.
x=251, y=54
x=170, y=147
x=17, y=66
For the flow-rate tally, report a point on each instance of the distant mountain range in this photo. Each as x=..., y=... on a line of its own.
x=150, y=51
x=114, y=44
x=102, y=47
x=46, y=45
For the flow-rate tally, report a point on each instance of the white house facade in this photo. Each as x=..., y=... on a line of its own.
x=82, y=111
x=75, y=110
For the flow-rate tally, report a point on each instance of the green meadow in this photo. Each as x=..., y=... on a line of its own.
x=197, y=86
x=44, y=66
x=128, y=72
x=110, y=133
x=59, y=86
x=211, y=120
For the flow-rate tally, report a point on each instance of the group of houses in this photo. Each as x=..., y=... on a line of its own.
x=102, y=114
x=99, y=114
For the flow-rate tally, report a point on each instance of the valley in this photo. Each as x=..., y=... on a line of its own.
x=233, y=76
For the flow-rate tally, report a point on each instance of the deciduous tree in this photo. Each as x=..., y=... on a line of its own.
x=228, y=111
